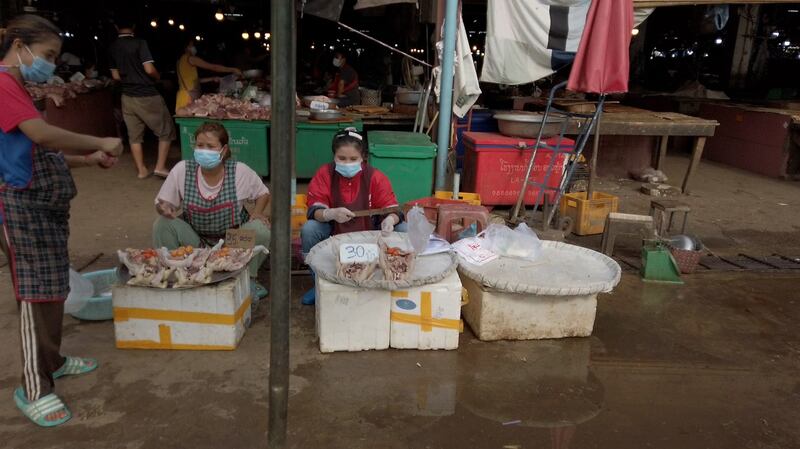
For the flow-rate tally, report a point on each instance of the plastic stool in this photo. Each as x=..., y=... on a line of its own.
x=617, y=223
x=460, y=214
x=663, y=211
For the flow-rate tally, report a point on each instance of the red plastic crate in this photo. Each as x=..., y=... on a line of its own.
x=494, y=167
x=430, y=206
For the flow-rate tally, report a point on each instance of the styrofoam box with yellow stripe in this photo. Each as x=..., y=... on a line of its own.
x=358, y=319
x=427, y=317
x=213, y=317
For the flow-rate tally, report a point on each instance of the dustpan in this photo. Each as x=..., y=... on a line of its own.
x=658, y=264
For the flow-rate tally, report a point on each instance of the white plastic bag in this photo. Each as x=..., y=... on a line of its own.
x=519, y=243
x=419, y=229
x=80, y=290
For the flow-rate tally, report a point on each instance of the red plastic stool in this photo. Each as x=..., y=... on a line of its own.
x=455, y=218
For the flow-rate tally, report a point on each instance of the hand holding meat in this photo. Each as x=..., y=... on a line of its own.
x=387, y=225
x=166, y=209
x=101, y=159
x=111, y=146
x=339, y=214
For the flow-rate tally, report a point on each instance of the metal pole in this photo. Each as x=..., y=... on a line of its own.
x=593, y=162
x=446, y=92
x=282, y=143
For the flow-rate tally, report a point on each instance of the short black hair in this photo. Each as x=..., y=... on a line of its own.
x=125, y=19
x=349, y=136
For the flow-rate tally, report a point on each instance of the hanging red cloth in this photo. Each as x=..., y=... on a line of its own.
x=602, y=64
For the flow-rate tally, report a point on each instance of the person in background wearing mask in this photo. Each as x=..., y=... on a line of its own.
x=337, y=189
x=35, y=196
x=188, y=79
x=345, y=83
x=142, y=105
x=211, y=191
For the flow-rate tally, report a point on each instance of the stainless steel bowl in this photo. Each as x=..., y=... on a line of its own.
x=527, y=124
x=328, y=114
x=308, y=99
x=686, y=242
x=253, y=73
x=409, y=97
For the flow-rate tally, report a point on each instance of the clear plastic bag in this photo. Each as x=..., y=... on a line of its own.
x=80, y=290
x=519, y=243
x=419, y=229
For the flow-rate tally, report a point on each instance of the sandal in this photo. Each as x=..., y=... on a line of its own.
x=258, y=290
x=160, y=174
x=74, y=366
x=38, y=410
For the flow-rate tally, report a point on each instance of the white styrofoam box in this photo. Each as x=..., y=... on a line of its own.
x=213, y=317
x=494, y=315
x=351, y=318
x=427, y=317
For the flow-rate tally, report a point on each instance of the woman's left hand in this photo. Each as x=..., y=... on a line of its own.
x=101, y=159
x=260, y=217
x=387, y=225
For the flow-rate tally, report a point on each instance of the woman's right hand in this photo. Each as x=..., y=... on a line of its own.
x=166, y=209
x=112, y=146
x=338, y=214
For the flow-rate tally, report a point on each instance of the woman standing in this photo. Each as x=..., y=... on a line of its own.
x=188, y=79
x=36, y=190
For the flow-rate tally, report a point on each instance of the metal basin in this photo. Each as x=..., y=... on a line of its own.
x=328, y=114
x=527, y=124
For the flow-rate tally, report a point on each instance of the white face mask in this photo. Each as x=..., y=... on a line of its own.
x=337, y=62
x=193, y=50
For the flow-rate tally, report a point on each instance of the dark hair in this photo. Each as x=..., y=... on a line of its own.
x=349, y=136
x=217, y=130
x=342, y=52
x=125, y=19
x=30, y=29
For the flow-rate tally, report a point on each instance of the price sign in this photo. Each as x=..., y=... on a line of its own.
x=358, y=252
x=240, y=238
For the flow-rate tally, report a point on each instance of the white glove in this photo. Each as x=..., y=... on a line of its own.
x=339, y=214
x=387, y=225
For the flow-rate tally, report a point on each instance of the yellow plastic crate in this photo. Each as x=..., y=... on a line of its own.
x=588, y=216
x=470, y=198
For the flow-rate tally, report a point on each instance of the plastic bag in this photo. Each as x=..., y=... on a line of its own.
x=519, y=243
x=80, y=290
x=419, y=229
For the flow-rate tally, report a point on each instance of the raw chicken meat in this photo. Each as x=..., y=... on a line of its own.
x=397, y=264
x=221, y=107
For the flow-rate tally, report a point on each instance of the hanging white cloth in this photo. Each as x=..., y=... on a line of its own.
x=466, y=88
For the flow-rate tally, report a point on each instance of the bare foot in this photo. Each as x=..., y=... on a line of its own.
x=55, y=416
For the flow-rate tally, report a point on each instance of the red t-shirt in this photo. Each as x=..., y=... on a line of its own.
x=381, y=194
x=16, y=162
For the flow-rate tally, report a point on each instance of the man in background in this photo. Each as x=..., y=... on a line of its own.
x=142, y=106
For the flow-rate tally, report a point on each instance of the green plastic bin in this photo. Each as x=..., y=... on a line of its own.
x=249, y=141
x=407, y=159
x=314, y=145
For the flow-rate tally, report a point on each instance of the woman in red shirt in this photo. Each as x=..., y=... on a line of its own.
x=36, y=190
x=347, y=184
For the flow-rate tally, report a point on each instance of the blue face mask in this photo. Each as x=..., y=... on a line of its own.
x=208, y=159
x=348, y=170
x=39, y=71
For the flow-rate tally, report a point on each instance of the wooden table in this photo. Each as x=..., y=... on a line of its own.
x=620, y=120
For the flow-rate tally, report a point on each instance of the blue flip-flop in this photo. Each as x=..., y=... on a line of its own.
x=74, y=366
x=38, y=410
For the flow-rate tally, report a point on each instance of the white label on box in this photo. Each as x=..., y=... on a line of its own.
x=358, y=252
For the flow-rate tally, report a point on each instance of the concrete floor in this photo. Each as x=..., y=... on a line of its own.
x=711, y=364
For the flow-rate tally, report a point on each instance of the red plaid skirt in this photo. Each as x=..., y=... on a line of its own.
x=36, y=225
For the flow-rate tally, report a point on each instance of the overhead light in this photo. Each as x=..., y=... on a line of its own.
x=635, y=31
x=198, y=38
x=331, y=47
x=267, y=35
x=257, y=35
x=181, y=27
x=792, y=10
x=776, y=33
x=219, y=16
x=312, y=46
x=474, y=47
x=786, y=43
x=245, y=35
x=171, y=22
x=95, y=38
x=718, y=40
x=153, y=23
